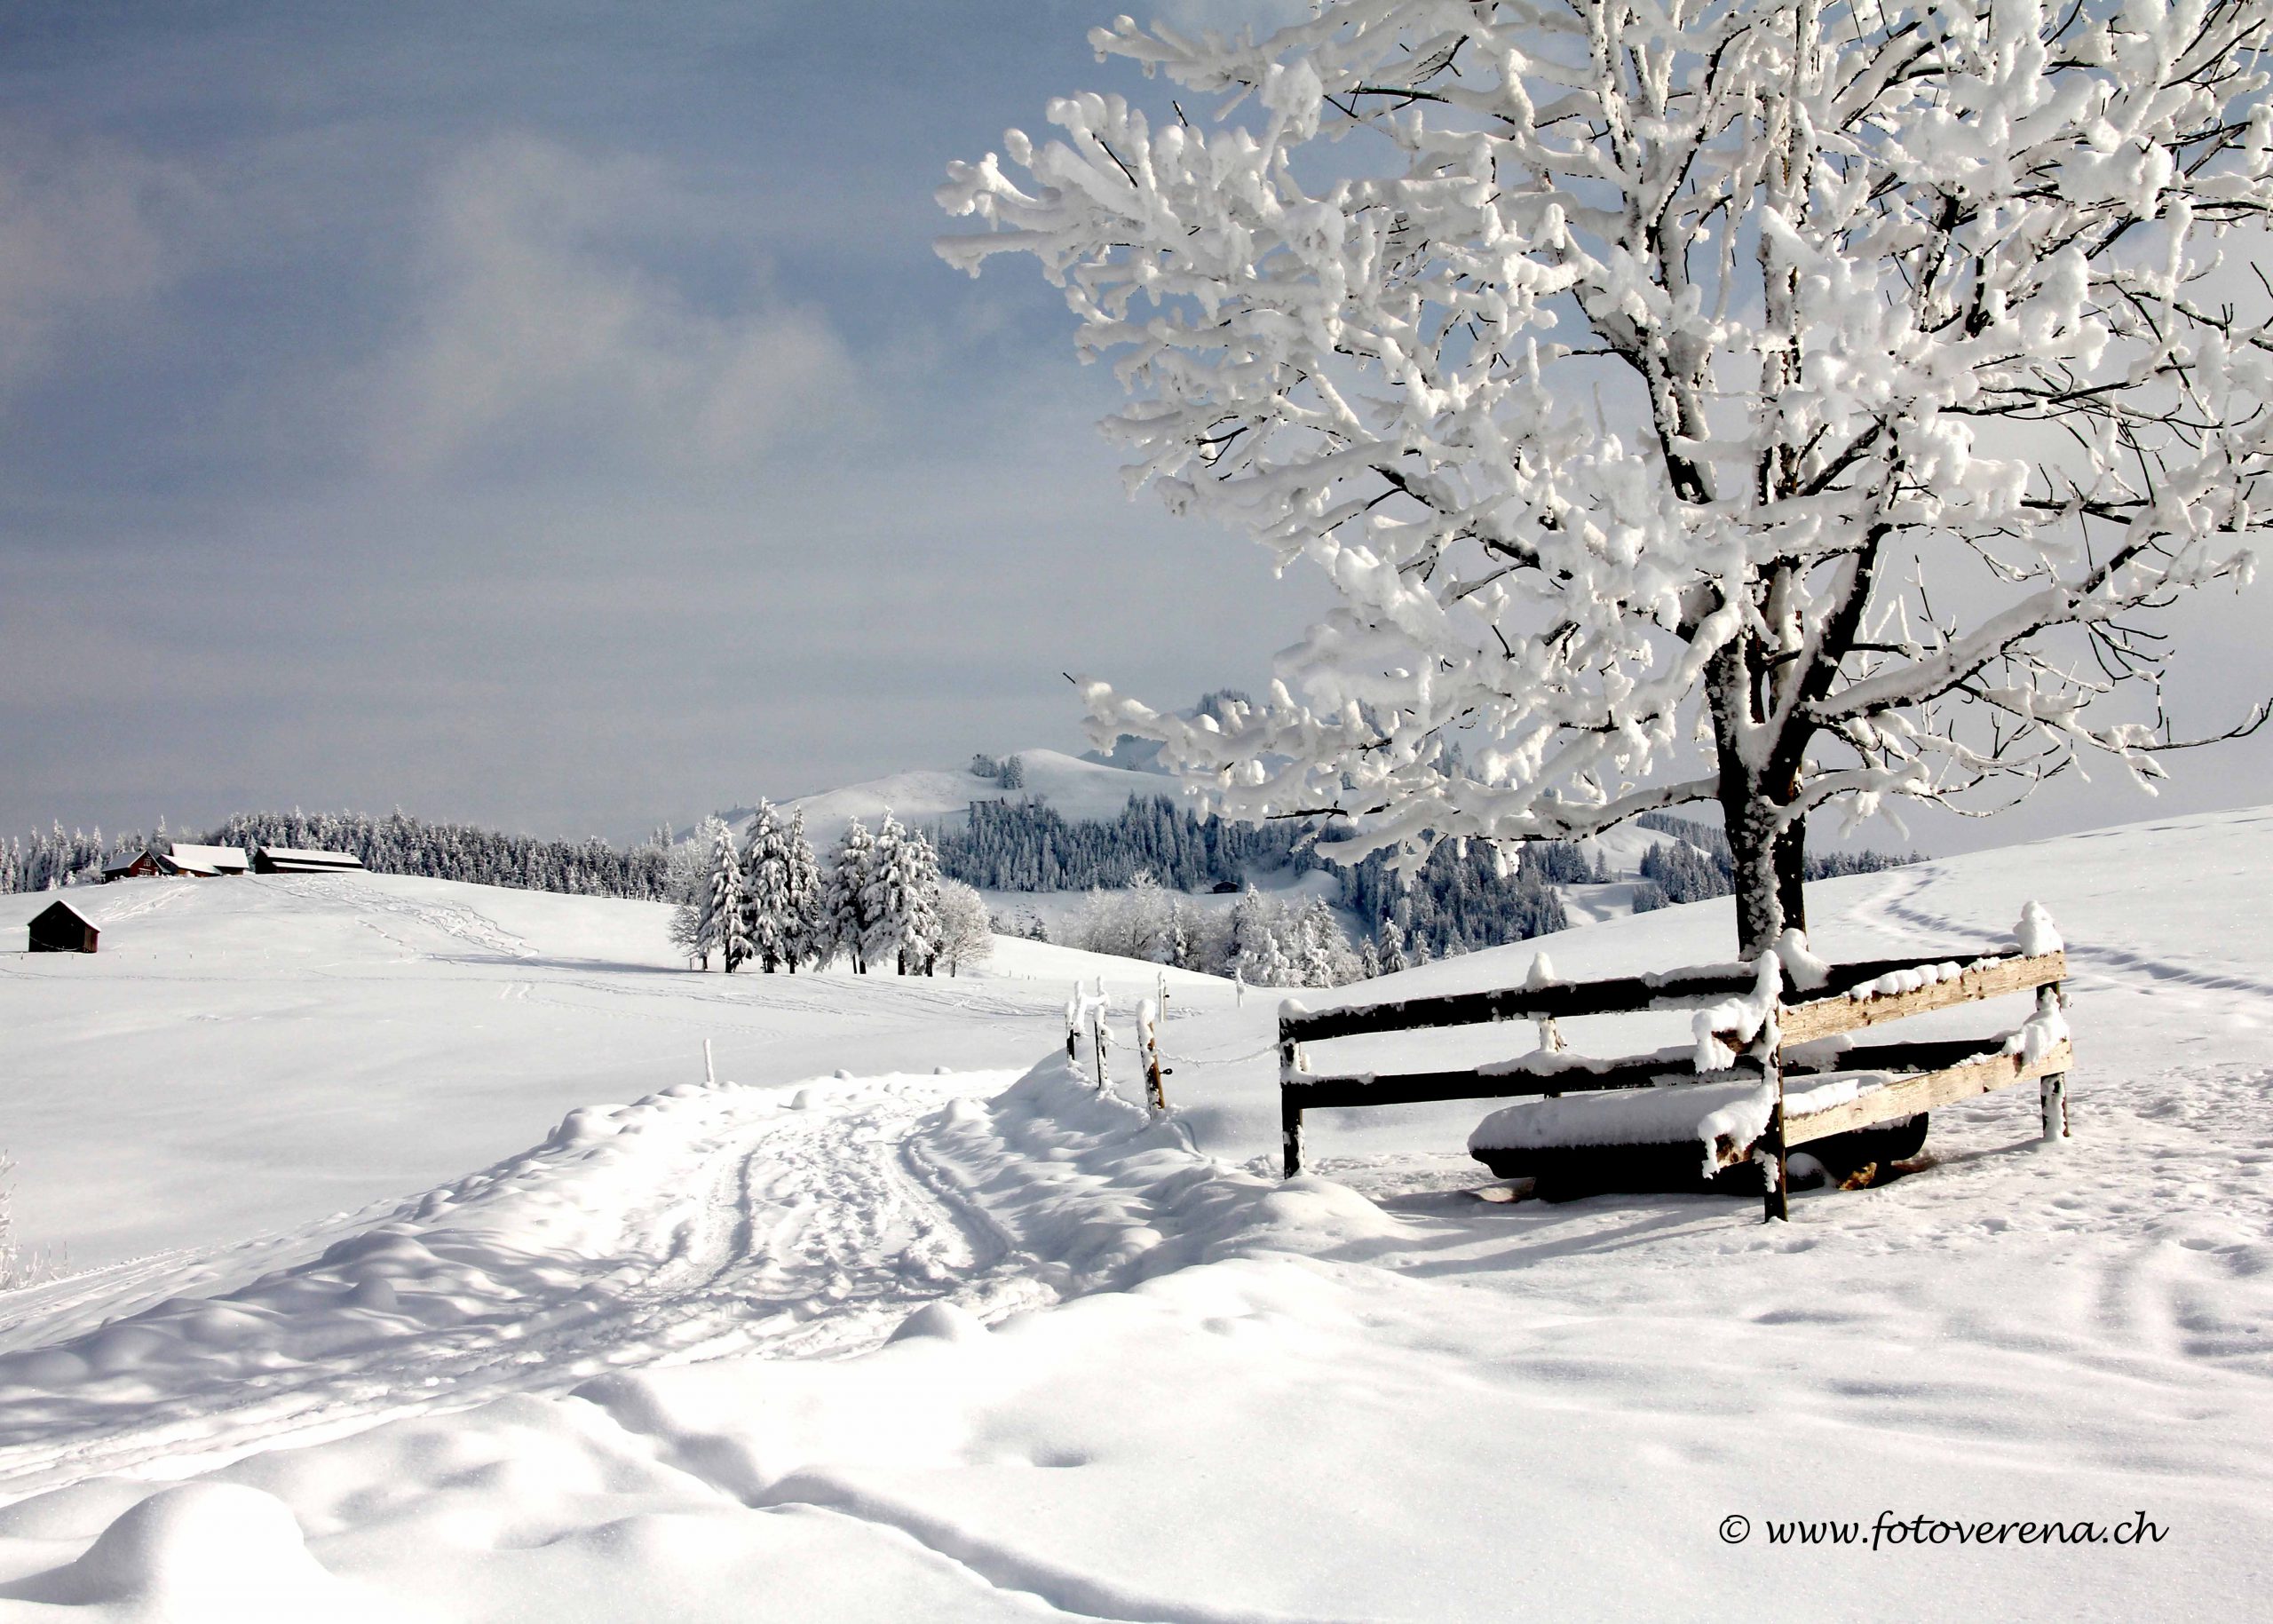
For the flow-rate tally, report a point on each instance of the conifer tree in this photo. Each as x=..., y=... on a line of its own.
x=809, y=929
x=722, y=917
x=767, y=916
x=925, y=930
x=886, y=906
x=845, y=896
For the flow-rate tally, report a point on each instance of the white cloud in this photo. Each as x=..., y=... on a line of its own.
x=81, y=234
x=559, y=309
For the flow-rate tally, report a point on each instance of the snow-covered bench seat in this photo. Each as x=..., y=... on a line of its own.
x=1679, y=1136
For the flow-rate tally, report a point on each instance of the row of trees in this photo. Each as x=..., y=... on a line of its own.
x=400, y=844
x=1266, y=940
x=1029, y=846
x=1697, y=864
x=53, y=860
x=396, y=844
x=768, y=899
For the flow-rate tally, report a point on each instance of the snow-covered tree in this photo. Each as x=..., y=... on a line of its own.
x=1258, y=949
x=725, y=927
x=770, y=913
x=694, y=923
x=966, y=935
x=888, y=904
x=1393, y=946
x=921, y=948
x=809, y=926
x=844, y=896
x=1631, y=370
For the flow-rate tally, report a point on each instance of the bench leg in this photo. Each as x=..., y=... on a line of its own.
x=2052, y=1089
x=1290, y=1128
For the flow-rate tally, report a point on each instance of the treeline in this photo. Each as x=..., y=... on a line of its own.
x=400, y=844
x=1462, y=898
x=1264, y=940
x=1030, y=846
x=1458, y=902
x=52, y=860
x=1696, y=866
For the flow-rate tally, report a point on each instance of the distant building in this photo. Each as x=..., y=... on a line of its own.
x=203, y=862
x=292, y=860
x=61, y=928
x=198, y=863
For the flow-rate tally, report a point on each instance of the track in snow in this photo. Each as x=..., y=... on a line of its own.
x=689, y=1227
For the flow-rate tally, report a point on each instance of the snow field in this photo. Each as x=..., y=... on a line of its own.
x=1068, y=1367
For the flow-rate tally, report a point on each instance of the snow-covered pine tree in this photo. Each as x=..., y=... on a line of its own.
x=1629, y=369
x=726, y=927
x=1258, y=952
x=769, y=914
x=887, y=904
x=1393, y=946
x=845, y=896
x=922, y=946
x=809, y=928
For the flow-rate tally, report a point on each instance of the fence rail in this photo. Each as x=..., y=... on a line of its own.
x=1851, y=997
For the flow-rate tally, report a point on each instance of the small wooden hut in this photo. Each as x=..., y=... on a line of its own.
x=140, y=865
x=60, y=928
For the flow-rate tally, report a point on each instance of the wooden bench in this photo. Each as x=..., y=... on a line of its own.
x=1920, y=1074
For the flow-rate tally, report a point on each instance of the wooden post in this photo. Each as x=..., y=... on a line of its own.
x=1290, y=1115
x=1775, y=1171
x=1155, y=1095
x=2052, y=1088
x=710, y=1071
x=1073, y=1024
x=1097, y=1033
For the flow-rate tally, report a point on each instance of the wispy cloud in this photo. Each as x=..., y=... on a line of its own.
x=86, y=230
x=559, y=310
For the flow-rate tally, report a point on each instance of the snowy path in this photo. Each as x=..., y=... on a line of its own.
x=691, y=1225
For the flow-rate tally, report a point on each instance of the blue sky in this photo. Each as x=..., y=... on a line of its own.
x=555, y=416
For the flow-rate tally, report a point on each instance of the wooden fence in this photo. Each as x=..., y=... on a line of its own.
x=1851, y=997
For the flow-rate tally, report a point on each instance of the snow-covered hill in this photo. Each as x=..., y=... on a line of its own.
x=1076, y=789
x=250, y=1054
x=1074, y=1366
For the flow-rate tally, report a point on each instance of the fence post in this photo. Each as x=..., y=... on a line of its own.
x=710, y=1071
x=2052, y=1088
x=1775, y=1187
x=1072, y=1024
x=1775, y=1163
x=1148, y=1032
x=1097, y=1033
x=1290, y=1113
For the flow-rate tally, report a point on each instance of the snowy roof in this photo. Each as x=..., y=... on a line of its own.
x=300, y=857
x=125, y=860
x=210, y=859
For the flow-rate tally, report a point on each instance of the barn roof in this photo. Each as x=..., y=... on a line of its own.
x=300, y=857
x=127, y=860
x=210, y=859
x=67, y=910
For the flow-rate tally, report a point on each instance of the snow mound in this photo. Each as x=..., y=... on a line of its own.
x=203, y=1551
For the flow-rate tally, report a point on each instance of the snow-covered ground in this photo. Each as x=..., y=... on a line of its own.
x=983, y=1345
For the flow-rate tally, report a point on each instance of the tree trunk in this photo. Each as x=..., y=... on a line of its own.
x=1792, y=874
x=1751, y=820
